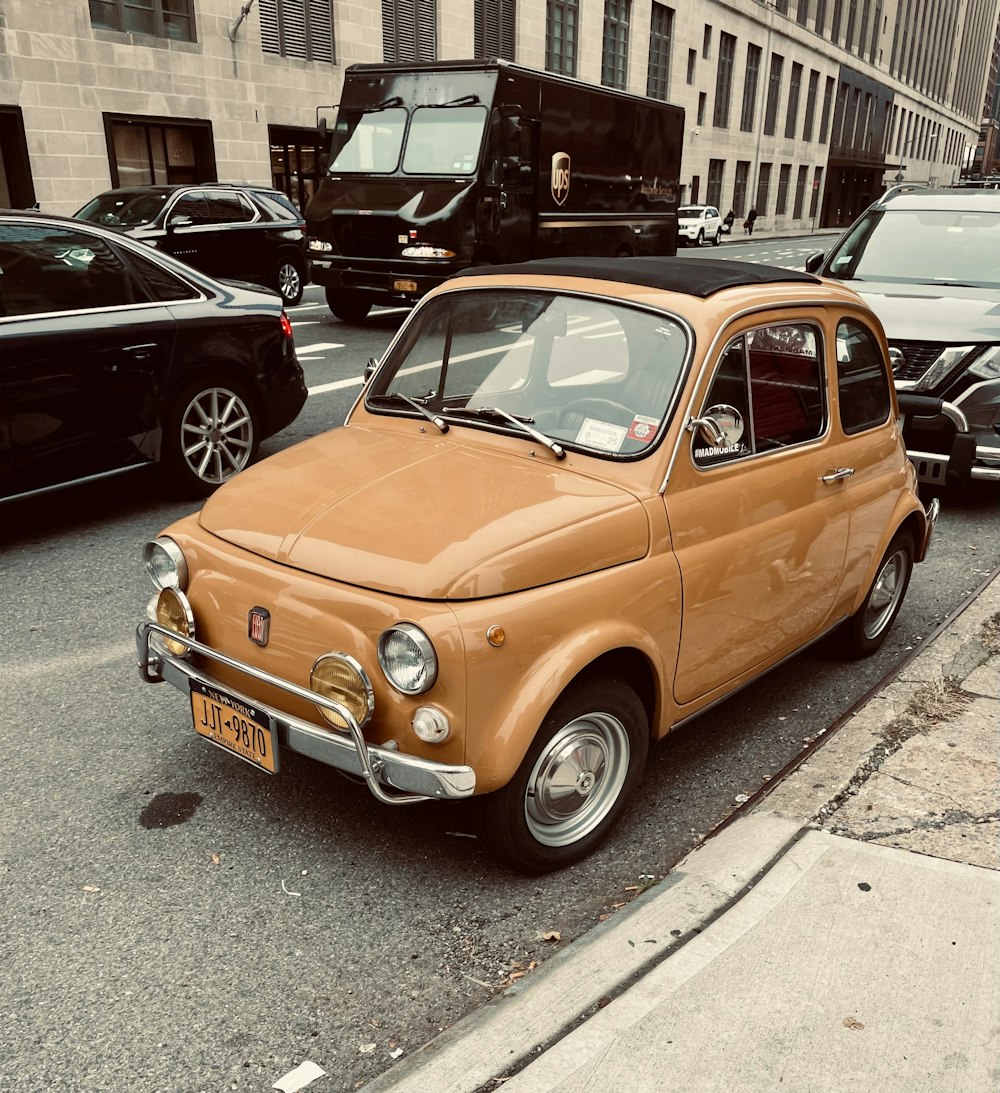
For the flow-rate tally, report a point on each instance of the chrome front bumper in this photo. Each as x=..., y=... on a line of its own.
x=392, y=777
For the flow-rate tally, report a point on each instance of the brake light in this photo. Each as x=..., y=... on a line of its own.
x=286, y=326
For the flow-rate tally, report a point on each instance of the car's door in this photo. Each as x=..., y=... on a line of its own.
x=235, y=242
x=188, y=227
x=758, y=524
x=82, y=350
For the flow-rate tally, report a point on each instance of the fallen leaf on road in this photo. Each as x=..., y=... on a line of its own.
x=550, y=935
x=852, y=1023
x=367, y=1049
x=216, y=859
x=91, y=888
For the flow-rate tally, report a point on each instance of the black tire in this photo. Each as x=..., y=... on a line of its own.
x=718, y=238
x=348, y=306
x=596, y=734
x=211, y=431
x=701, y=237
x=290, y=279
x=865, y=631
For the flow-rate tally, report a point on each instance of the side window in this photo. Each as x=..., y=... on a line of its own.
x=862, y=382
x=193, y=204
x=768, y=393
x=48, y=269
x=155, y=284
x=226, y=208
x=786, y=386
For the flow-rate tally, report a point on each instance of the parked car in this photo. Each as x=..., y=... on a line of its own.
x=113, y=355
x=253, y=233
x=578, y=502
x=926, y=263
x=696, y=223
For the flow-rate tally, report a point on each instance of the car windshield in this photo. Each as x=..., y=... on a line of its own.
x=921, y=246
x=689, y=211
x=368, y=142
x=444, y=140
x=585, y=373
x=124, y=210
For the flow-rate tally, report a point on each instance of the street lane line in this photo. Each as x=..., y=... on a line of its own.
x=321, y=347
x=337, y=385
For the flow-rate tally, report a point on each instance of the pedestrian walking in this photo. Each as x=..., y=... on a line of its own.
x=749, y=222
x=728, y=222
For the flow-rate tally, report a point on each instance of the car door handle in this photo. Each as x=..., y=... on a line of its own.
x=838, y=475
x=139, y=351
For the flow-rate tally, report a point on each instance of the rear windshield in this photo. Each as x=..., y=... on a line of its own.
x=124, y=210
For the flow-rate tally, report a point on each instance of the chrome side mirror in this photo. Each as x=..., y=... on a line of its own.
x=708, y=429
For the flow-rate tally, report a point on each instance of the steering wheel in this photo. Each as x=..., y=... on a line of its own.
x=605, y=409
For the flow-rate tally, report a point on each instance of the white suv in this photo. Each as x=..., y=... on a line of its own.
x=696, y=223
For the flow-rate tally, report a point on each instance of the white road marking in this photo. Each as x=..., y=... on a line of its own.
x=322, y=347
x=337, y=385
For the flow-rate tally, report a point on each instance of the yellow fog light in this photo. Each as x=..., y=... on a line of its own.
x=339, y=677
x=173, y=612
x=431, y=725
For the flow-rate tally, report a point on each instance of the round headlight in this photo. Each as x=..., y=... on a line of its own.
x=339, y=677
x=408, y=658
x=165, y=563
x=173, y=612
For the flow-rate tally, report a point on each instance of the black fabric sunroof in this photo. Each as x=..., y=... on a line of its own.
x=692, y=276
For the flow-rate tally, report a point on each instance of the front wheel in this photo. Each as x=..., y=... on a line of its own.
x=865, y=631
x=289, y=280
x=348, y=306
x=700, y=239
x=718, y=238
x=210, y=433
x=576, y=780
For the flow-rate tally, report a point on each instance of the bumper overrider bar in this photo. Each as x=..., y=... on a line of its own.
x=392, y=777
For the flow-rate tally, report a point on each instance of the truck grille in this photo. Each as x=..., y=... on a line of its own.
x=365, y=237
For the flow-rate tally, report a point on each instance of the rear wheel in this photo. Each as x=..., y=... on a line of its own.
x=348, y=306
x=575, y=782
x=289, y=280
x=865, y=631
x=210, y=433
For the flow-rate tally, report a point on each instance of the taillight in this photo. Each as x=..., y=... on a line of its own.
x=286, y=326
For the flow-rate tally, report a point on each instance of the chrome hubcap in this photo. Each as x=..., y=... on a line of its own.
x=216, y=435
x=288, y=280
x=885, y=593
x=577, y=779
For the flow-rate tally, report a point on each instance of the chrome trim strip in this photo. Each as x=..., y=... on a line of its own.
x=605, y=220
x=412, y=778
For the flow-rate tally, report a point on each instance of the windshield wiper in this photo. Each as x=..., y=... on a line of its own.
x=397, y=396
x=523, y=423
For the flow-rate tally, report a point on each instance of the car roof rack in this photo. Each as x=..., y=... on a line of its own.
x=900, y=188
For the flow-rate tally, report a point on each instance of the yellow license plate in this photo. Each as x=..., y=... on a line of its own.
x=404, y=286
x=235, y=726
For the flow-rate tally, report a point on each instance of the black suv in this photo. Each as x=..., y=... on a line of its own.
x=252, y=233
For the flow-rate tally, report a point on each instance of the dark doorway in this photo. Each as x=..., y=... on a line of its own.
x=296, y=162
x=16, y=188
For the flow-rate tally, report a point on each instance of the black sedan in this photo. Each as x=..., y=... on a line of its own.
x=113, y=356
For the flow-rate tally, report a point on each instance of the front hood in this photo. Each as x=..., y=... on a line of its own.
x=933, y=313
x=424, y=517
x=415, y=201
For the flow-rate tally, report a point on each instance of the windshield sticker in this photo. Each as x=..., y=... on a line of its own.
x=602, y=435
x=643, y=429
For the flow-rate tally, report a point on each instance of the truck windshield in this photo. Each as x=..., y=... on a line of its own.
x=364, y=143
x=444, y=140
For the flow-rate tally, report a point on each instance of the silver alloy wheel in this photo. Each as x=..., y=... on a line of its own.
x=289, y=281
x=886, y=593
x=577, y=779
x=216, y=435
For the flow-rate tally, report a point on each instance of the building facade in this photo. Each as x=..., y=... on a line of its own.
x=802, y=109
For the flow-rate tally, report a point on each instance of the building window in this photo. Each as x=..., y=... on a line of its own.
x=838, y=11
x=792, y=113
x=763, y=185
x=706, y=43
x=824, y=124
x=724, y=81
x=852, y=14
x=740, y=186
x=297, y=28
x=802, y=12
x=781, y=7
x=716, y=169
x=661, y=28
x=495, y=21
x=162, y=18
x=561, y=20
x=295, y=162
x=409, y=30
x=614, y=63
x=692, y=61
x=146, y=151
x=781, y=201
x=750, y=89
x=820, y=23
x=773, y=90
x=807, y=125
x=695, y=187
x=800, y=192
x=702, y=101
x=814, y=198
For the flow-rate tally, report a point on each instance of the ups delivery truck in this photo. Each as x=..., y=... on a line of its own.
x=438, y=166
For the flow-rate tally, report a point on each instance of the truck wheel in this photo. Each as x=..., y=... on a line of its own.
x=289, y=280
x=210, y=433
x=350, y=307
x=575, y=782
x=867, y=628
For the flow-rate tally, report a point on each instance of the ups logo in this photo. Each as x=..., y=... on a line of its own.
x=560, y=177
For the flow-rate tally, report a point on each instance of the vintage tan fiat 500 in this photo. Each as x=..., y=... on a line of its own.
x=578, y=502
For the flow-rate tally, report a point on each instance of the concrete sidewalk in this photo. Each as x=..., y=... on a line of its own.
x=844, y=933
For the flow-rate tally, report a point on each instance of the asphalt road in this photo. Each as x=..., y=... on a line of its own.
x=176, y=922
